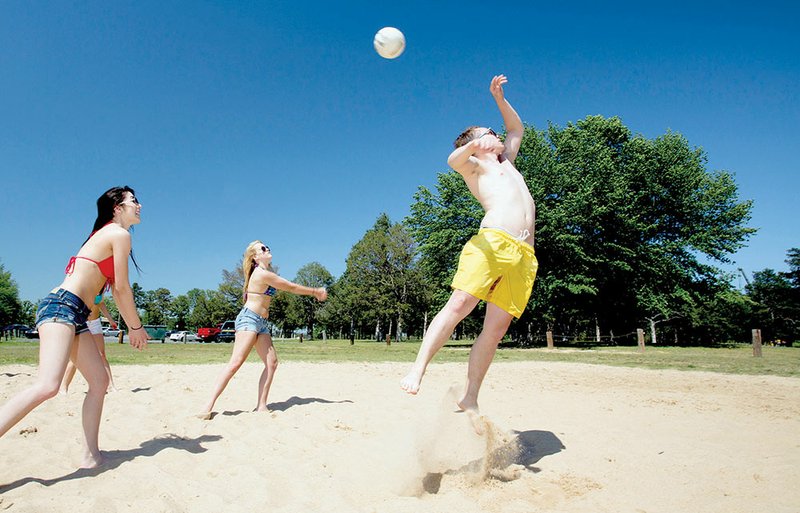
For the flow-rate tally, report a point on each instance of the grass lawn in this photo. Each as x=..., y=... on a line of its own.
x=776, y=361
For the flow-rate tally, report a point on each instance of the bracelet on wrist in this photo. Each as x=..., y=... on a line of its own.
x=134, y=329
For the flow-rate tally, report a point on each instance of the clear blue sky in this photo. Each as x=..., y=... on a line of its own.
x=277, y=120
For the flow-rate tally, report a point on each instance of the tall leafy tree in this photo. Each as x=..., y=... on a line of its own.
x=28, y=312
x=157, y=306
x=777, y=298
x=181, y=307
x=382, y=284
x=305, y=310
x=209, y=308
x=10, y=305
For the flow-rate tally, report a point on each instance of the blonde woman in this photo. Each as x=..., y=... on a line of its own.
x=101, y=263
x=252, y=324
x=96, y=330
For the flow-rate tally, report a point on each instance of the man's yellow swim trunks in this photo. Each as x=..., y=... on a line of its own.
x=496, y=267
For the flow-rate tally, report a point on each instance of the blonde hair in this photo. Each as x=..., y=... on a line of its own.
x=249, y=264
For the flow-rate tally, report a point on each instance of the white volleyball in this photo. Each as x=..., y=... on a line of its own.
x=389, y=42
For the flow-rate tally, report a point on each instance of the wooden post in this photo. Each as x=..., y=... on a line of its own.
x=388, y=339
x=550, y=340
x=640, y=337
x=757, y=343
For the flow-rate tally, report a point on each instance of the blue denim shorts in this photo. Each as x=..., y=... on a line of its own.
x=248, y=320
x=65, y=307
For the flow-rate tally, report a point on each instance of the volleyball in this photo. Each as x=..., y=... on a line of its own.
x=389, y=42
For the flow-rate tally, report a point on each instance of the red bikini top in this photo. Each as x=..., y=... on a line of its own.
x=106, y=266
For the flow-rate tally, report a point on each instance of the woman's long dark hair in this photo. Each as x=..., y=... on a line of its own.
x=106, y=204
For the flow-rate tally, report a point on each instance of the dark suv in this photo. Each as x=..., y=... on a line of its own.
x=227, y=331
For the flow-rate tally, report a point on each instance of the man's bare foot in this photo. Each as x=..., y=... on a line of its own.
x=205, y=415
x=477, y=420
x=92, y=460
x=411, y=382
x=468, y=405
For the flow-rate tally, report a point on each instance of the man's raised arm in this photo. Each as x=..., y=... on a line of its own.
x=512, y=121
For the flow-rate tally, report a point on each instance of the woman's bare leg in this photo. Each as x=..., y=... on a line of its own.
x=55, y=344
x=242, y=345
x=266, y=350
x=90, y=364
x=100, y=342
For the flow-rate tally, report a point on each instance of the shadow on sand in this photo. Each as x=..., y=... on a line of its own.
x=114, y=459
x=301, y=401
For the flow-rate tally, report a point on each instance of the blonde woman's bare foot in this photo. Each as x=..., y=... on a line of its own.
x=208, y=415
x=411, y=383
x=93, y=460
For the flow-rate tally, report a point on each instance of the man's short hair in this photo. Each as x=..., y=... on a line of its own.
x=465, y=137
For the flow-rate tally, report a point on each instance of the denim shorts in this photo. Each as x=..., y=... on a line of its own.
x=248, y=320
x=65, y=307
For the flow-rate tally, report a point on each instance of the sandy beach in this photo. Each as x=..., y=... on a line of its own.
x=343, y=437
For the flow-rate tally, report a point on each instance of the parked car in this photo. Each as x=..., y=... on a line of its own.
x=208, y=334
x=227, y=331
x=183, y=336
x=32, y=333
x=22, y=328
x=110, y=332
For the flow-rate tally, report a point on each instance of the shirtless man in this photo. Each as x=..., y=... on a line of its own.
x=498, y=264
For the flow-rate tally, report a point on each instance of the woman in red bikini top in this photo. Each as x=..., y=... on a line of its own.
x=101, y=263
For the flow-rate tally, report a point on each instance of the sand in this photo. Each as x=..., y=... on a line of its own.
x=343, y=437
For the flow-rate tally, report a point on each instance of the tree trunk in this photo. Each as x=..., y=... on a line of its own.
x=596, y=331
x=425, y=325
x=378, y=330
x=653, y=331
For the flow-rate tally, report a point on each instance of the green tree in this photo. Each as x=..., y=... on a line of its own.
x=181, y=308
x=209, y=308
x=28, y=312
x=10, y=305
x=305, y=310
x=157, y=306
x=382, y=284
x=777, y=299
